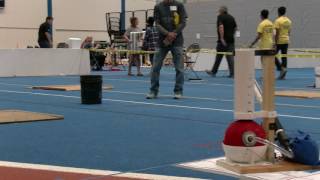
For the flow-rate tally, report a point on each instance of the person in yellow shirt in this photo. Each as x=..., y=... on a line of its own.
x=282, y=27
x=264, y=32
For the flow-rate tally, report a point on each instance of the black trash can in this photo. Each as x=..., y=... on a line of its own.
x=91, y=89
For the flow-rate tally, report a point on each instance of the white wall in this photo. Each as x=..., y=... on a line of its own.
x=20, y=19
x=203, y=16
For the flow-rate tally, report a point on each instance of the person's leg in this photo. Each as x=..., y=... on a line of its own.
x=138, y=64
x=230, y=59
x=155, y=71
x=44, y=44
x=151, y=59
x=131, y=61
x=177, y=57
x=276, y=60
x=218, y=60
x=99, y=61
x=92, y=60
x=284, y=51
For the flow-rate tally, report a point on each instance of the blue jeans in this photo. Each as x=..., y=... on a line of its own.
x=177, y=57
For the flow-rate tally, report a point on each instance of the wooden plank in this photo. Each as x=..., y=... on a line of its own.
x=67, y=87
x=264, y=167
x=17, y=116
x=268, y=100
x=299, y=94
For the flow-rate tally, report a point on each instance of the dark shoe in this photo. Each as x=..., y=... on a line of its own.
x=130, y=74
x=230, y=76
x=139, y=74
x=152, y=95
x=177, y=95
x=210, y=73
x=282, y=75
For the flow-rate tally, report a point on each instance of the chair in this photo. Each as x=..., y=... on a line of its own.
x=191, y=56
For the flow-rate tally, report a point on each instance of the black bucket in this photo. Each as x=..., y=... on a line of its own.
x=91, y=89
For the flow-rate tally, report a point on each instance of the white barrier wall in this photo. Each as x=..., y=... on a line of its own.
x=205, y=62
x=44, y=62
x=19, y=21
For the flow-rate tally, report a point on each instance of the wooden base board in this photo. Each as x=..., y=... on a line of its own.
x=67, y=87
x=299, y=94
x=17, y=116
x=264, y=167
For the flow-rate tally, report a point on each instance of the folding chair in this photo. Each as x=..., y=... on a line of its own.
x=191, y=56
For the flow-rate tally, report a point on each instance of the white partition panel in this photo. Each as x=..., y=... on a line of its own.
x=43, y=62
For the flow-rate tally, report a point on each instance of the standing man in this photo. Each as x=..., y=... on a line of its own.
x=226, y=28
x=45, y=33
x=282, y=26
x=264, y=32
x=170, y=17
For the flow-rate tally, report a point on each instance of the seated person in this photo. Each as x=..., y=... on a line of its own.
x=62, y=45
x=96, y=58
x=100, y=57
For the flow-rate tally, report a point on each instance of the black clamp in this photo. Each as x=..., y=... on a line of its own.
x=272, y=126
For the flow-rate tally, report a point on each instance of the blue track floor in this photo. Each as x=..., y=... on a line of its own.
x=130, y=133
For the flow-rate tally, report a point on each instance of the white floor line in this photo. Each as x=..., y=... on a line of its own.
x=187, y=97
x=93, y=172
x=170, y=82
x=13, y=84
x=212, y=99
x=153, y=104
x=167, y=95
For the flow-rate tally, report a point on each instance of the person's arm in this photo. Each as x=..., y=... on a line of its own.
x=277, y=36
x=277, y=33
x=256, y=40
x=125, y=36
x=82, y=45
x=221, y=33
x=289, y=32
x=183, y=19
x=48, y=35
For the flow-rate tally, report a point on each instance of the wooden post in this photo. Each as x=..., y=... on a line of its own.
x=244, y=72
x=268, y=101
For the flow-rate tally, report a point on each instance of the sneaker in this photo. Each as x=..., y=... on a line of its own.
x=152, y=95
x=139, y=74
x=210, y=73
x=282, y=75
x=177, y=95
